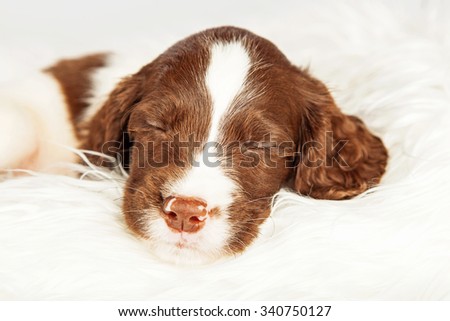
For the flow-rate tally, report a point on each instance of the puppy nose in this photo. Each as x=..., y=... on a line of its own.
x=187, y=214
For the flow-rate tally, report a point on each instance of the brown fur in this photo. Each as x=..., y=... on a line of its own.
x=362, y=158
x=74, y=77
x=165, y=99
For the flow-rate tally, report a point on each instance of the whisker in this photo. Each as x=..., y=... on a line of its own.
x=140, y=219
x=233, y=239
x=135, y=189
x=258, y=219
x=260, y=199
x=132, y=211
x=255, y=235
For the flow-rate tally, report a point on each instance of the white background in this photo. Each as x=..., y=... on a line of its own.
x=387, y=62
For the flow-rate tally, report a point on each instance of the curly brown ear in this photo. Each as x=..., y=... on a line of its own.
x=106, y=132
x=339, y=157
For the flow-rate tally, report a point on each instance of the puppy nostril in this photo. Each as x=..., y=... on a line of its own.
x=195, y=220
x=172, y=216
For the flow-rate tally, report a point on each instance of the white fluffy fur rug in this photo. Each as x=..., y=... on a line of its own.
x=64, y=238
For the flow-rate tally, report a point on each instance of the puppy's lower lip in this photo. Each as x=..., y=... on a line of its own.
x=180, y=245
x=184, y=245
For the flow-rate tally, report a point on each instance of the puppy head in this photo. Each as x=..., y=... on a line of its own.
x=212, y=129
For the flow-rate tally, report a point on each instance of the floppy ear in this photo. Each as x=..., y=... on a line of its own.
x=338, y=156
x=106, y=132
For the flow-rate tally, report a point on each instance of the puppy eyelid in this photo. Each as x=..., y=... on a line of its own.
x=281, y=150
x=156, y=125
x=149, y=125
x=259, y=145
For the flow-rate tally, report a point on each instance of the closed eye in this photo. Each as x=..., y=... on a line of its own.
x=251, y=145
x=149, y=126
x=282, y=150
x=156, y=125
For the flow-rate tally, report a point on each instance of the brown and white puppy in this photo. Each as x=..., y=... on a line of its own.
x=209, y=131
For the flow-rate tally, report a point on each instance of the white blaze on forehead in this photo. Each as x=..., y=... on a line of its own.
x=225, y=77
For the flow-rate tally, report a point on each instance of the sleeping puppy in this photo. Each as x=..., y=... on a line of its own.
x=209, y=132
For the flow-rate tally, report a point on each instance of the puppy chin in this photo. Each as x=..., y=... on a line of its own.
x=203, y=247
x=173, y=254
